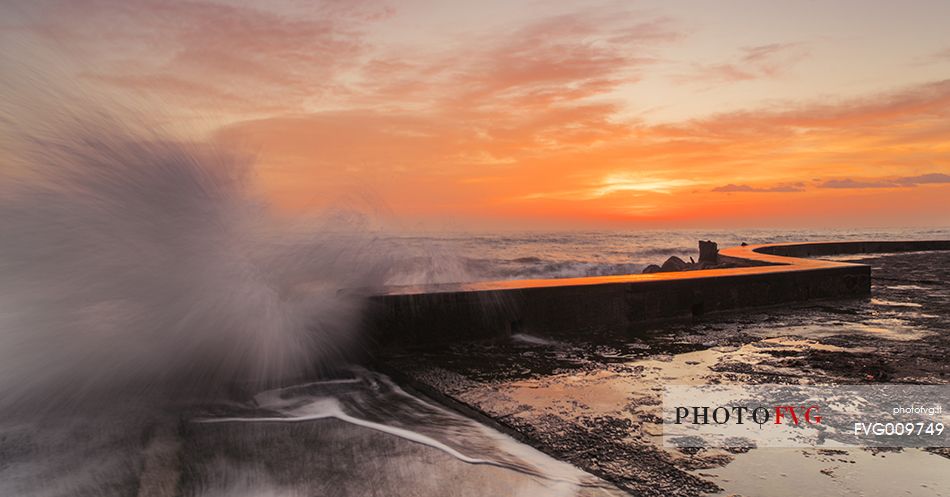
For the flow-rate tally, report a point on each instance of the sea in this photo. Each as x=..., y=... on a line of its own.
x=478, y=256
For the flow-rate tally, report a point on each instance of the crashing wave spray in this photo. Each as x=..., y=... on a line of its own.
x=128, y=259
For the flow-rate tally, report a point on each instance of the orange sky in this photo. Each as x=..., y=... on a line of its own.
x=548, y=115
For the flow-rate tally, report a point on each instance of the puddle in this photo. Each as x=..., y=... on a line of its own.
x=907, y=287
x=533, y=340
x=796, y=472
x=888, y=328
x=804, y=343
x=601, y=392
x=891, y=303
x=633, y=390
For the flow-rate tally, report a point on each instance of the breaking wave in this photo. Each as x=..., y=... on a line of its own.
x=132, y=260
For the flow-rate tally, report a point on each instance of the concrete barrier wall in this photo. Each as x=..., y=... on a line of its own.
x=440, y=313
x=861, y=247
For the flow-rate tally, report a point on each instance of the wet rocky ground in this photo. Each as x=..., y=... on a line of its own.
x=594, y=400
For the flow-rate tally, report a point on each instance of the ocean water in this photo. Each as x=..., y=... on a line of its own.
x=467, y=257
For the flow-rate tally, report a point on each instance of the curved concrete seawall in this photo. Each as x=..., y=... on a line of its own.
x=779, y=274
x=812, y=249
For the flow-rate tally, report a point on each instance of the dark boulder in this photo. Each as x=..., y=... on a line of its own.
x=708, y=252
x=673, y=264
x=652, y=268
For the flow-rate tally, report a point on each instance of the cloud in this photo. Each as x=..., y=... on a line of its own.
x=927, y=106
x=942, y=54
x=850, y=183
x=551, y=51
x=556, y=60
x=211, y=54
x=784, y=188
x=511, y=88
x=614, y=183
x=933, y=178
x=755, y=62
x=537, y=87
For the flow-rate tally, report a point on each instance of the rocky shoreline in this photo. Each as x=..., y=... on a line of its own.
x=709, y=258
x=589, y=398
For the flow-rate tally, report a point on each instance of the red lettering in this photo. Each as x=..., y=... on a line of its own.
x=789, y=409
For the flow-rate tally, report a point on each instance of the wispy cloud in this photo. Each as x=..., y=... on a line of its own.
x=615, y=183
x=942, y=54
x=923, y=179
x=850, y=183
x=783, y=188
x=212, y=54
x=905, y=181
x=629, y=185
x=755, y=62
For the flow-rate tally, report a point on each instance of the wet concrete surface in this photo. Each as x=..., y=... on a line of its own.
x=335, y=458
x=360, y=435
x=363, y=436
x=593, y=399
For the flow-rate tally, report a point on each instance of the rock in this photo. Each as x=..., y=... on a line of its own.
x=652, y=268
x=673, y=264
x=744, y=244
x=708, y=252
